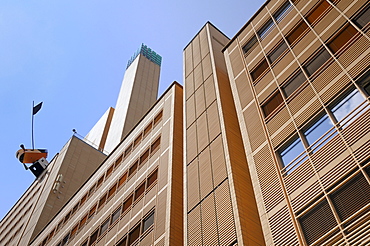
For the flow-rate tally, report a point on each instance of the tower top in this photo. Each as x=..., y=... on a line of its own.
x=148, y=53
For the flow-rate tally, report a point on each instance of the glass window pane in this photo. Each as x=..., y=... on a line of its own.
x=347, y=104
x=248, y=47
x=277, y=52
x=266, y=29
x=116, y=215
x=272, y=104
x=363, y=18
x=297, y=32
x=290, y=152
x=317, y=12
x=259, y=69
x=148, y=221
x=283, y=11
x=294, y=83
x=342, y=38
x=318, y=129
x=317, y=62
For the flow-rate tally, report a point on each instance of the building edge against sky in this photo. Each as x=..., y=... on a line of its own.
x=268, y=144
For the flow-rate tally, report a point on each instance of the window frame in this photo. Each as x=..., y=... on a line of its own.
x=275, y=94
x=249, y=46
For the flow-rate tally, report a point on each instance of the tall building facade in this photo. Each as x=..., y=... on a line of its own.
x=268, y=143
x=219, y=201
x=299, y=71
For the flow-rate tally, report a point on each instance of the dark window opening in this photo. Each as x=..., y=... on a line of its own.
x=133, y=168
x=134, y=234
x=293, y=83
x=317, y=62
x=115, y=215
x=317, y=11
x=317, y=222
x=364, y=82
x=250, y=45
x=282, y=11
x=144, y=157
x=272, y=103
x=93, y=237
x=363, y=18
x=266, y=29
x=297, y=32
x=127, y=204
x=276, y=53
x=148, y=221
x=342, y=38
x=139, y=191
x=152, y=178
x=260, y=69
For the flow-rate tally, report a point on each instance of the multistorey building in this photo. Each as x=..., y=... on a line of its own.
x=135, y=196
x=219, y=202
x=299, y=72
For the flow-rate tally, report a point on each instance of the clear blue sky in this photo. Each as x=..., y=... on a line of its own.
x=72, y=56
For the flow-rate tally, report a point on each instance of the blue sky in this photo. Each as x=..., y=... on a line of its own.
x=72, y=56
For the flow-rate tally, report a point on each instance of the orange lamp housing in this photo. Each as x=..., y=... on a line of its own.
x=31, y=155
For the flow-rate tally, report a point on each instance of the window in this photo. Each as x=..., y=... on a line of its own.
x=364, y=82
x=115, y=215
x=102, y=201
x=91, y=191
x=272, y=103
x=67, y=217
x=111, y=191
x=297, y=32
x=139, y=191
x=75, y=208
x=84, y=243
x=83, y=221
x=74, y=230
x=83, y=199
x=351, y=197
x=148, y=221
x=347, y=104
x=128, y=150
x=100, y=181
x=318, y=129
x=158, y=118
x=318, y=221
x=137, y=140
x=250, y=45
x=152, y=178
x=92, y=211
x=282, y=11
x=65, y=239
x=317, y=62
x=104, y=226
x=110, y=170
x=342, y=38
x=317, y=11
x=290, y=151
x=127, y=204
x=122, y=242
x=293, y=83
x=277, y=52
x=144, y=157
x=155, y=145
x=363, y=18
x=134, y=234
x=93, y=237
x=133, y=168
x=122, y=179
x=147, y=129
x=118, y=161
x=259, y=69
x=266, y=29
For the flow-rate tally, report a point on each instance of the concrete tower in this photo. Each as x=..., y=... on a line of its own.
x=138, y=93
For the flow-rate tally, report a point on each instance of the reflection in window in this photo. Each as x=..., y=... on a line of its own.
x=282, y=12
x=363, y=18
x=291, y=151
x=297, y=32
x=266, y=29
x=317, y=62
x=249, y=46
x=277, y=52
x=318, y=129
x=148, y=221
x=347, y=104
x=260, y=69
x=294, y=83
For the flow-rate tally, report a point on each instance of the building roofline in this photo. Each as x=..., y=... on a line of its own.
x=175, y=83
x=210, y=23
x=245, y=25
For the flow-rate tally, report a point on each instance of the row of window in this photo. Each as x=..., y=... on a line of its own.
x=350, y=198
x=301, y=28
x=139, y=230
x=308, y=137
x=153, y=148
x=123, y=209
x=11, y=238
x=313, y=66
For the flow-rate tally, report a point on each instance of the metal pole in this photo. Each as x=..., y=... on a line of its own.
x=33, y=144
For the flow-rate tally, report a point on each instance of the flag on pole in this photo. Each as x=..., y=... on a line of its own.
x=36, y=108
